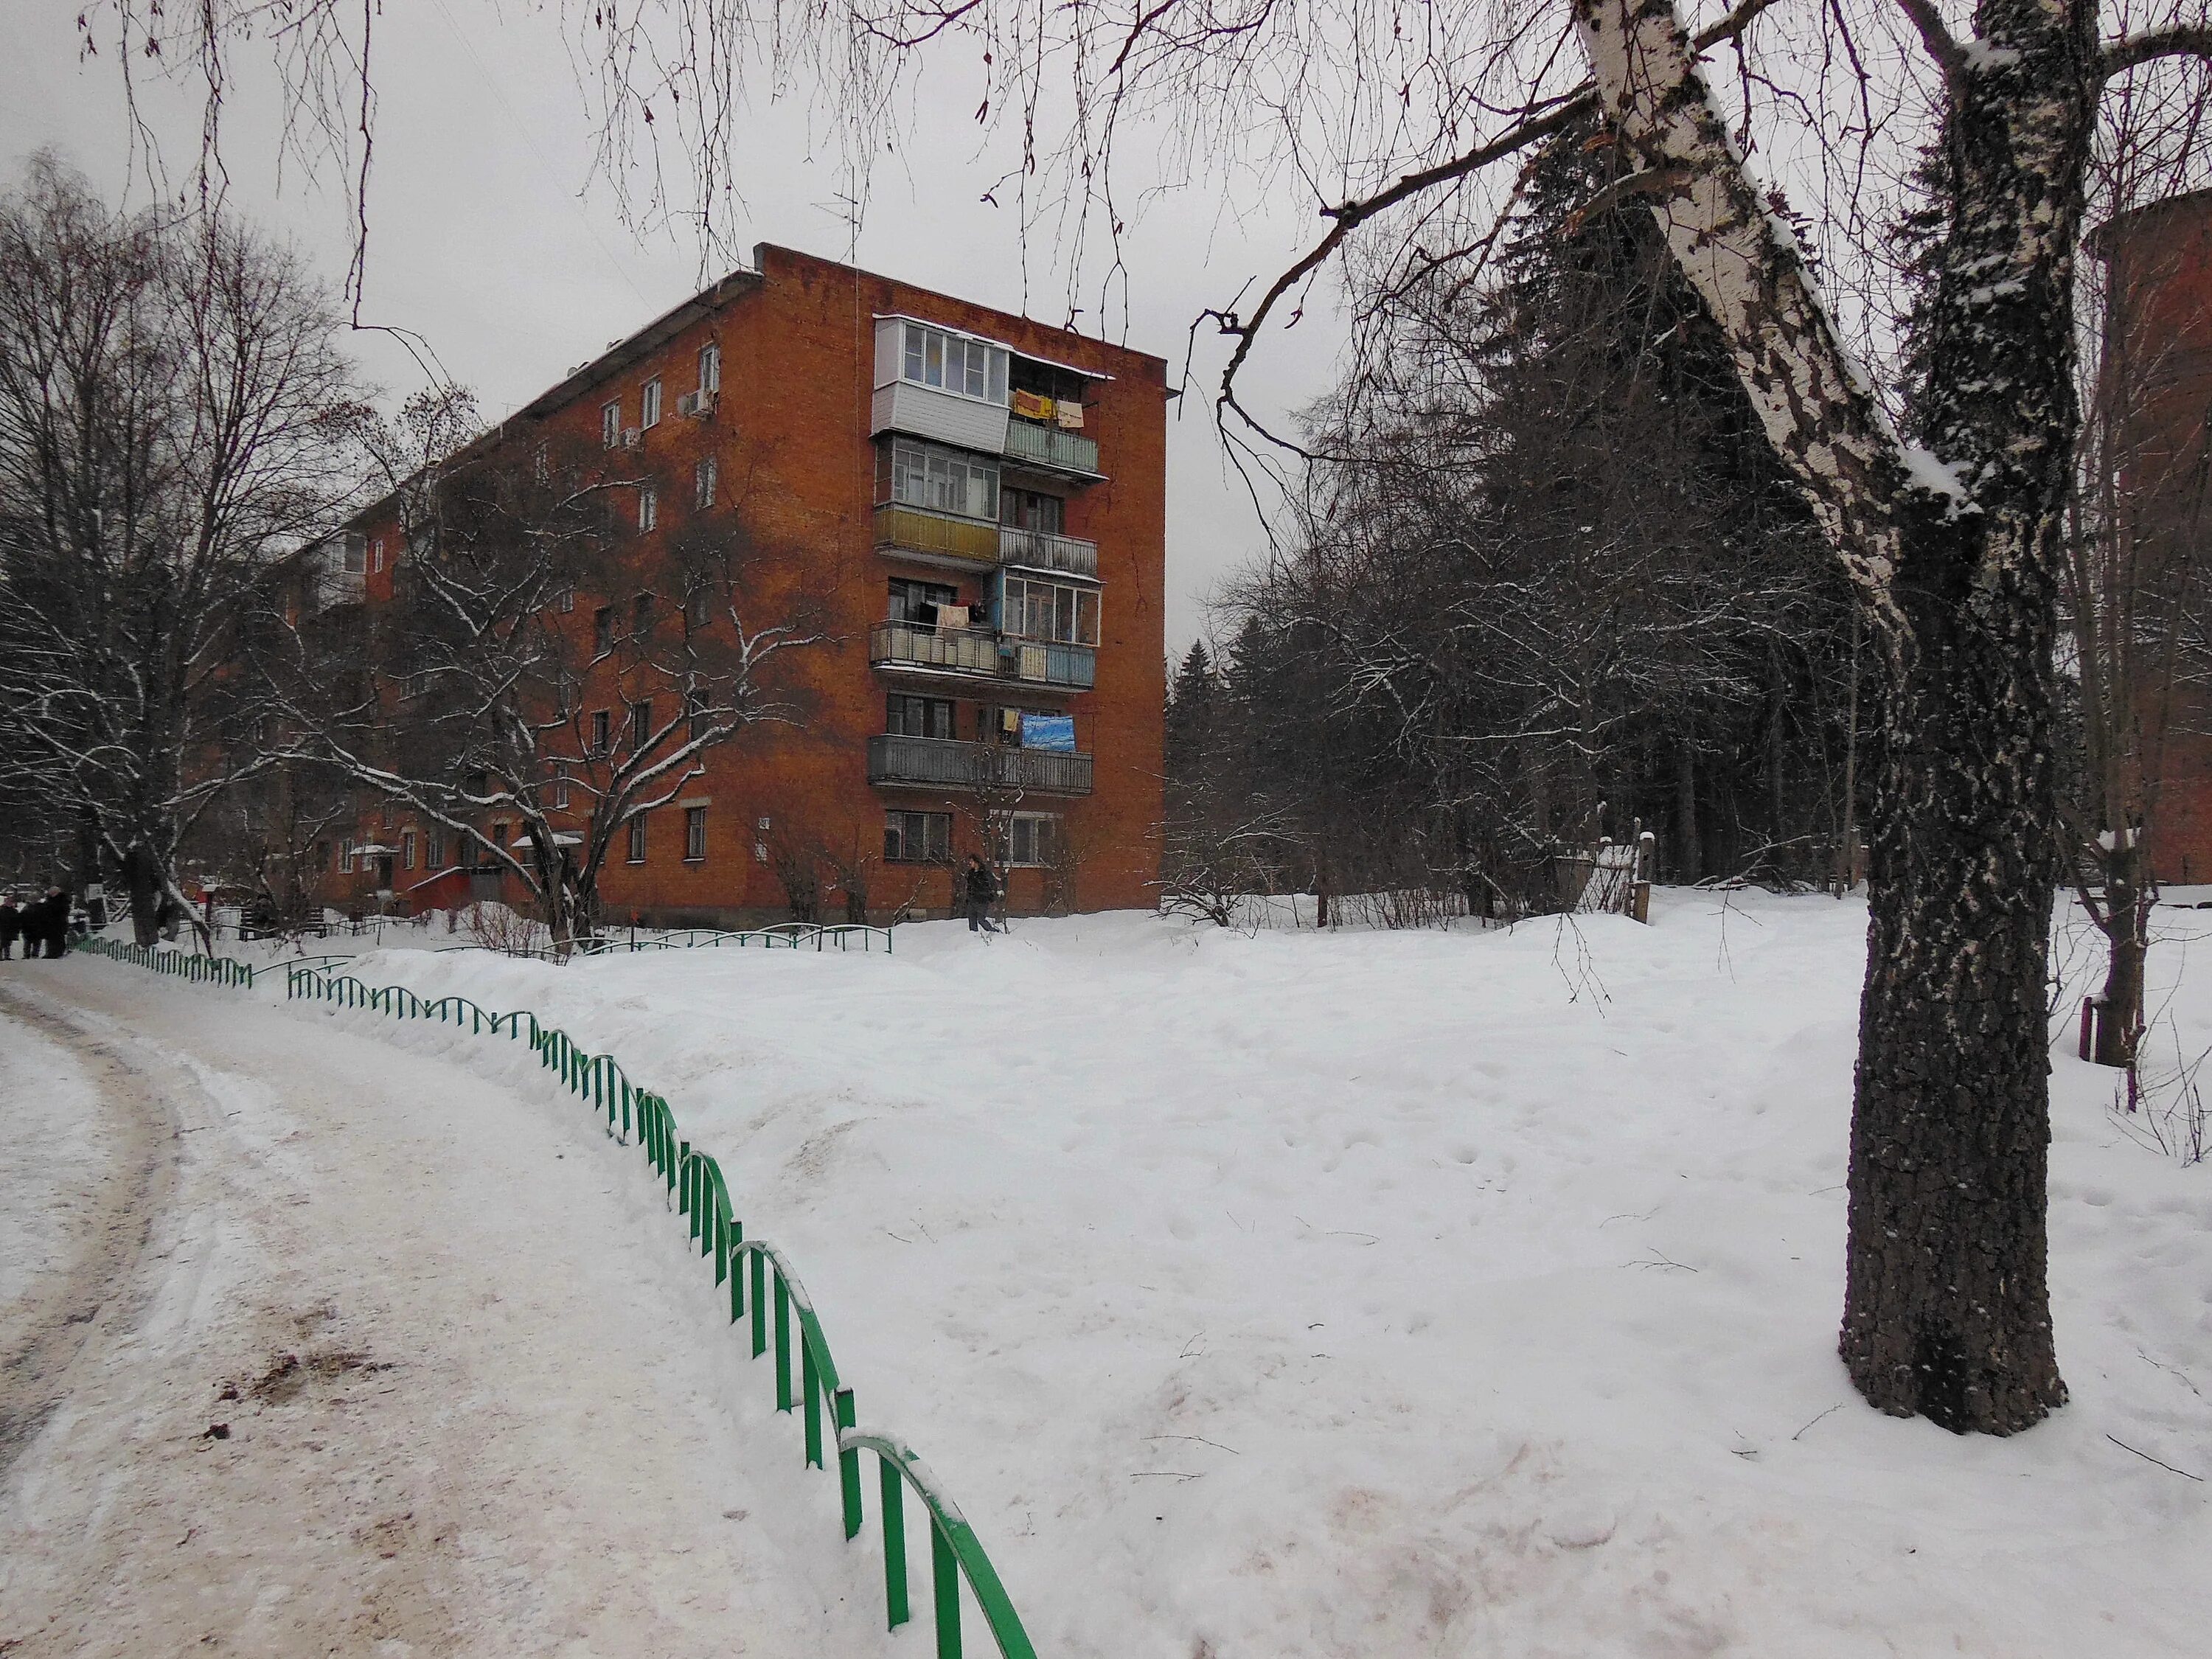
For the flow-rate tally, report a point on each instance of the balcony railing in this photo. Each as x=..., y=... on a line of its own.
x=334, y=585
x=915, y=645
x=937, y=536
x=981, y=653
x=1049, y=446
x=1044, y=551
x=950, y=764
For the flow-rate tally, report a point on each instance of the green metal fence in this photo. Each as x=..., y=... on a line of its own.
x=781, y=1313
x=184, y=964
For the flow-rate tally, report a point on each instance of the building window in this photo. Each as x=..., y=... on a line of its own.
x=703, y=483
x=541, y=464
x=953, y=362
x=648, y=411
x=1028, y=840
x=356, y=553
x=710, y=368
x=917, y=717
x=699, y=607
x=559, y=789
x=1034, y=510
x=918, y=837
x=345, y=856
x=407, y=849
x=376, y=555
x=434, y=848
x=694, y=833
x=611, y=423
x=1049, y=611
x=640, y=724
x=648, y=507
x=603, y=630
x=599, y=731
x=939, y=479
x=637, y=839
x=565, y=600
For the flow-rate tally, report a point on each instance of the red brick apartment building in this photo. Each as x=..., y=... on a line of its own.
x=2158, y=370
x=973, y=501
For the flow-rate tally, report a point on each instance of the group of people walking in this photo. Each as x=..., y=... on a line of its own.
x=42, y=924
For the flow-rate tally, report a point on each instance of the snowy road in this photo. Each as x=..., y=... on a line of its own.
x=311, y=1347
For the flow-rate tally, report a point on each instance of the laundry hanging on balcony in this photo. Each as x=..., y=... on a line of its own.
x=1069, y=414
x=1032, y=407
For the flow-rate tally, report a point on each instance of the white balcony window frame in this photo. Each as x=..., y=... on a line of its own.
x=648, y=404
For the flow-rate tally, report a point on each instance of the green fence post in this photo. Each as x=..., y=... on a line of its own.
x=848, y=1460
x=945, y=1589
x=760, y=1302
x=810, y=1390
x=783, y=1400
x=737, y=1271
x=894, y=1519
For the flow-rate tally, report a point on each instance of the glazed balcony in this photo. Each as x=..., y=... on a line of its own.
x=976, y=652
x=1037, y=549
x=949, y=764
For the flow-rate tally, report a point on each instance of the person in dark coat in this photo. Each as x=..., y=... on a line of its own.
x=53, y=924
x=11, y=924
x=979, y=887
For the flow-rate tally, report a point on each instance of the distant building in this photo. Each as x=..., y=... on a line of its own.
x=978, y=503
x=2158, y=387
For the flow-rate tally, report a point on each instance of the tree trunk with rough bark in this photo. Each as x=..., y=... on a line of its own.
x=1956, y=552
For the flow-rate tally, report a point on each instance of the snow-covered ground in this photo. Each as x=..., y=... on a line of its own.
x=1420, y=1293
x=397, y=1361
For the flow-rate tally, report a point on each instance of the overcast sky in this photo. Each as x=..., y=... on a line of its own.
x=489, y=239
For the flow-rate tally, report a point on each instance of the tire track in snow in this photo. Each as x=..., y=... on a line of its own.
x=104, y=1282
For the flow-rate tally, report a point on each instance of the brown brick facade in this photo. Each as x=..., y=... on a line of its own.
x=2157, y=384
x=790, y=436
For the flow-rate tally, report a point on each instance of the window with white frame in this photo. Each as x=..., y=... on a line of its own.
x=648, y=508
x=559, y=792
x=694, y=833
x=599, y=725
x=648, y=404
x=434, y=848
x=1036, y=609
x=637, y=839
x=611, y=423
x=1028, y=840
x=710, y=368
x=941, y=480
x=345, y=856
x=541, y=464
x=407, y=849
x=953, y=362
x=703, y=483
x=376, y=555
x=565, y=600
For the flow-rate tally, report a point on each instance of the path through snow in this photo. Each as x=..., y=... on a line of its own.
x=408, y=1364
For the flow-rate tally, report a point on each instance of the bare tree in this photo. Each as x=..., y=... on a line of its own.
x=536, y=669
x=175, y=421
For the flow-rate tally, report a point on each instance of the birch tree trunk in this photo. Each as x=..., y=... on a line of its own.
x=1946, y=1310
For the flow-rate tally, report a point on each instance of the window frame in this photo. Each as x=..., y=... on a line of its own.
x=602, y=733
x=901, y=708
x=648, y=509
x=963, y=365
x=634, y=852
x=705, y=479
x=407, y=849
x=648, y=404
x=694, y=835
x=611, y=426
x=899, y=822
x=710, y=368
